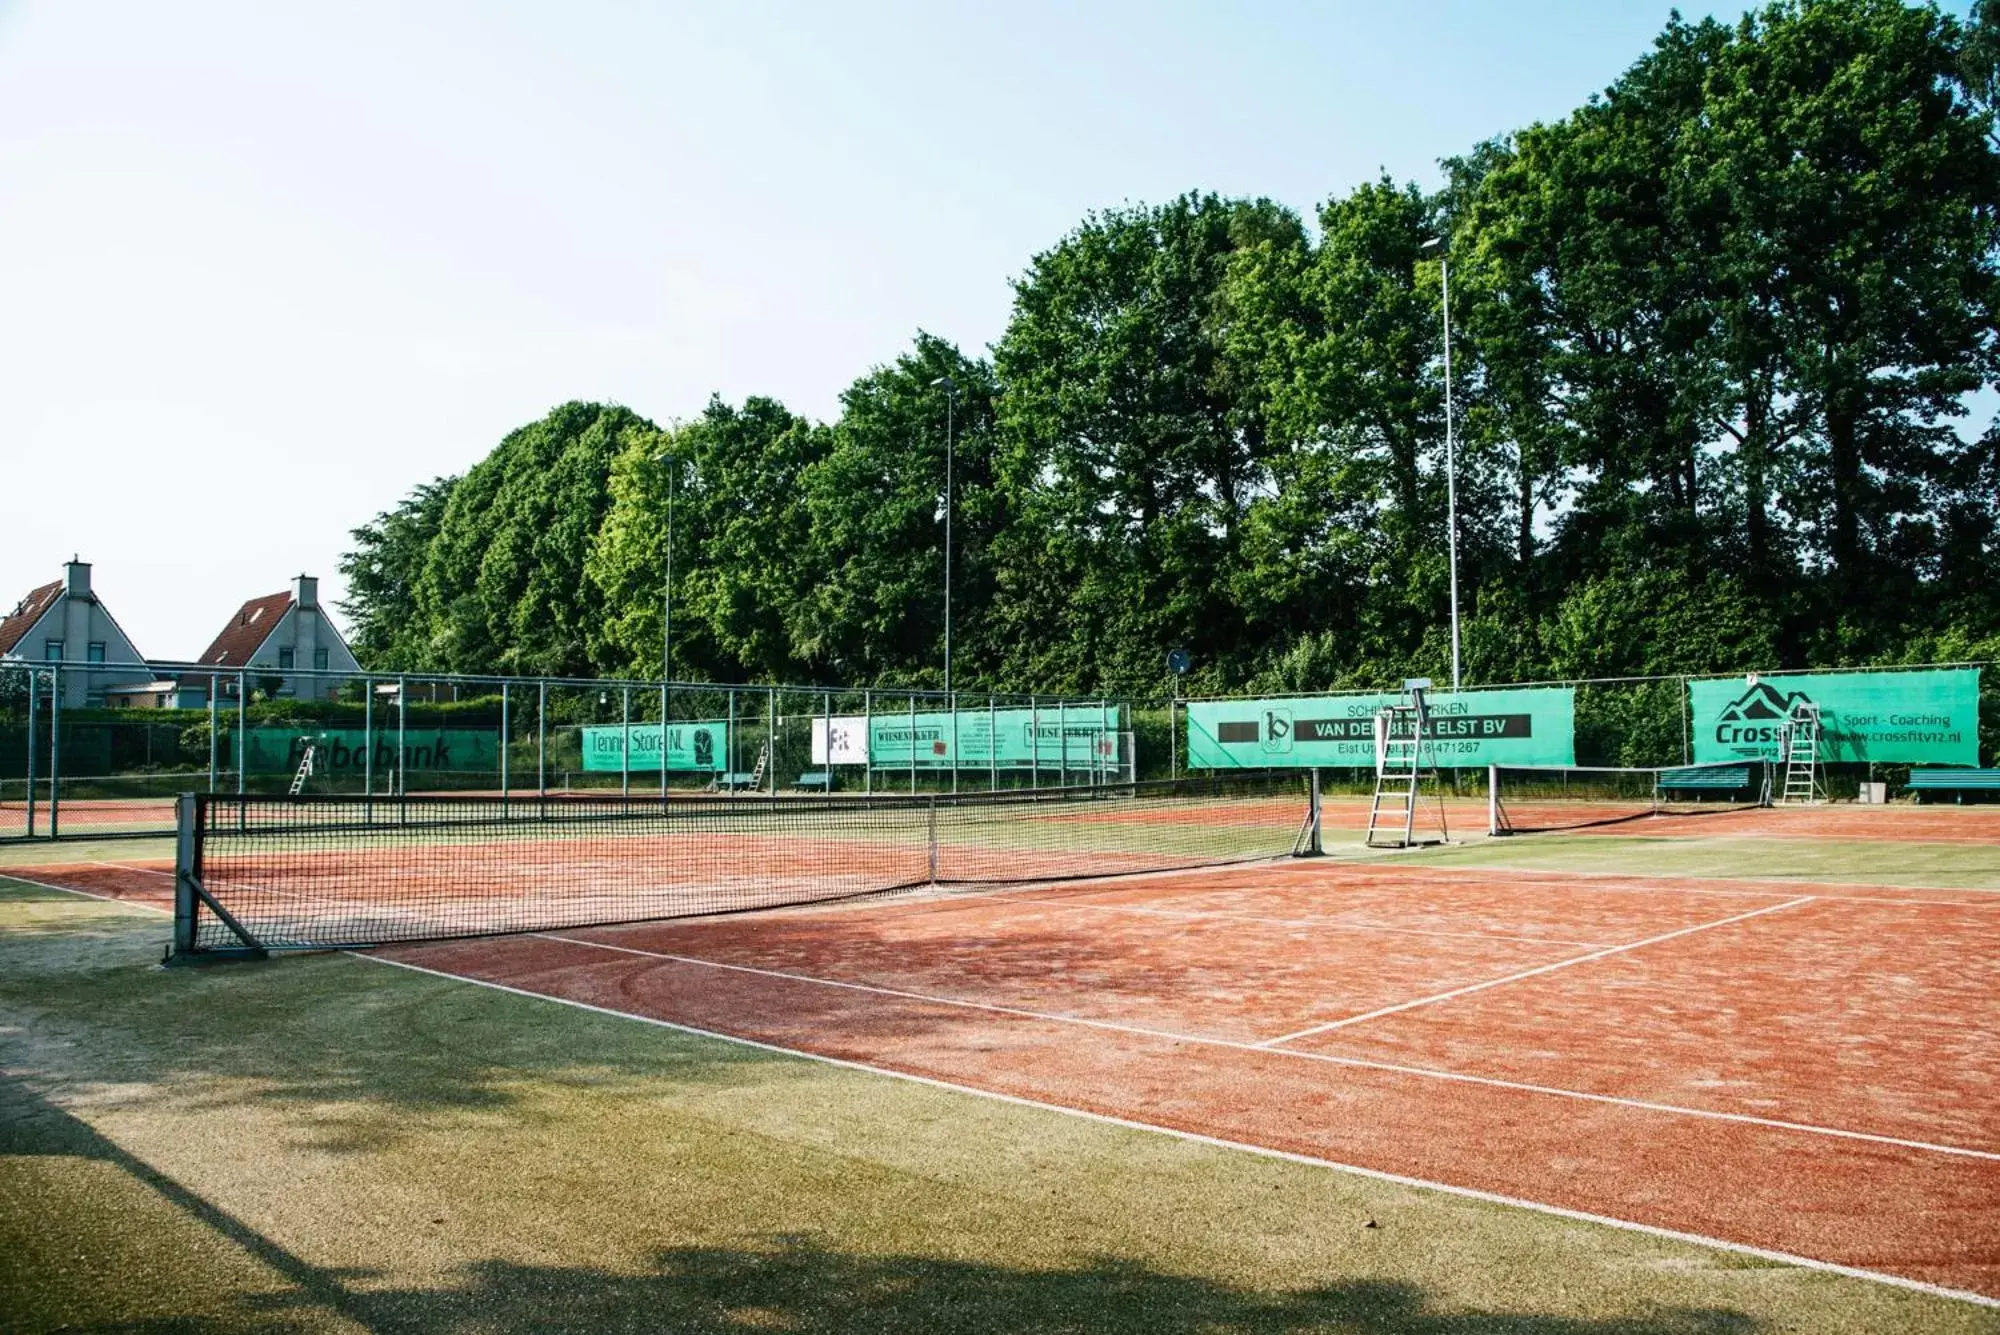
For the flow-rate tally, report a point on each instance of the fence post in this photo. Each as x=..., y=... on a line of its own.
x=867, y=742
x=913, y=743
x=402, y=739
x=368, y=744
x=1062, y=736
x=242, y=731
x=729, y=747
x=542, y=745
x=992, y=747
x=1034, y=742
x=506, y=733
x=34, y=688
x=214, y=727
x=1687, y=727
x=625, y=744
x=826, y=731
x=55, y=751
x=663, y=745
x=771, y=740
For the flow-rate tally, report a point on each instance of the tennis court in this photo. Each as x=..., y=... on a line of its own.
x=1798, y=1065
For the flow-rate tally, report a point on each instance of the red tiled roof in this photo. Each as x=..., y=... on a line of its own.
x=23, y=618
x=247, y=630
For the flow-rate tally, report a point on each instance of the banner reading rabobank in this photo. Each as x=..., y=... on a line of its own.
x=1531, y=725
x=1928, y=717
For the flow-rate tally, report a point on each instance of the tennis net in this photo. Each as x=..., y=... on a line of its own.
x=1527, y=798
x=259, y=873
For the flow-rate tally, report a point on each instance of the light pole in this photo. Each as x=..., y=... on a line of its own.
x=950, y=393
x=1450, y=454
x=667, y=610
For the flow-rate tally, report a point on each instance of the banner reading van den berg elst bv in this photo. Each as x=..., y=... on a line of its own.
x=1928, y=717
x=1468, y=729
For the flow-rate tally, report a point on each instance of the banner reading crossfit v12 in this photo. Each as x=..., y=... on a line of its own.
x=1528, y=726
x=1918, y=718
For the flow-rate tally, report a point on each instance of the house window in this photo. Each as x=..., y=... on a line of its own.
x=52, y=650
x=94, y=651
x=319, y=660
x=288, y=658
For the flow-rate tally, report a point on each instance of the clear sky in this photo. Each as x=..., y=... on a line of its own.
x=264, y=267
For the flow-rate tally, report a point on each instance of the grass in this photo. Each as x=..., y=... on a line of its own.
x=1852, y=862
x=325, y=1143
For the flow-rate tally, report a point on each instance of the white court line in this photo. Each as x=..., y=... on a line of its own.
x=1196, y=1138
x=1606, y=953
x=126, y=866
x=6, y=875
x=1331, y=1059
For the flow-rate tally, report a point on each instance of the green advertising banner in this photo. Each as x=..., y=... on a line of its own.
x=345, y=750
x=1074, y=737
x=690, y=746
x=1919, y=718
x=1526, y=726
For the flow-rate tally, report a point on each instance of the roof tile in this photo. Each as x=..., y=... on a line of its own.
x=22, y=619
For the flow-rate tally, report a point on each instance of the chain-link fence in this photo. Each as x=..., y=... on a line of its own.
x=1617, y=722
x=103, y=749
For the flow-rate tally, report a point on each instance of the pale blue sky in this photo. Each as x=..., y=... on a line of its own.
x=264, y=267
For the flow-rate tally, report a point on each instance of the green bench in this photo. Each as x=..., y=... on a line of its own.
x=729, y=783
x=1703, y=777
x=815, y=778
x=1960, y=781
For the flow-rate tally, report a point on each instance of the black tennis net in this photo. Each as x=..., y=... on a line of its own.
x=1526, y=798
x=258, y=873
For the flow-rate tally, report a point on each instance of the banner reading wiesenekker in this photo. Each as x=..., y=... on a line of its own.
x=1928, y=717
x=1533, y=725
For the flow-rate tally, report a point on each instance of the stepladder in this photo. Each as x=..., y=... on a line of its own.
x=1801, y=738
x=1402, y=742
x=305, y=770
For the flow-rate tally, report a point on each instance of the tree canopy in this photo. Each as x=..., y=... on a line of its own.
x=1716, y=336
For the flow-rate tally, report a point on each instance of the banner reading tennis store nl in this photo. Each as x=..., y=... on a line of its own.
x=690, y=746
x=1469, y=729
x=1919, y=718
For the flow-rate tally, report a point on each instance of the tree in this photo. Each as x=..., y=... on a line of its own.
x=1131, y=450
x=875, y=513
x=503, y=587
x=382, y=572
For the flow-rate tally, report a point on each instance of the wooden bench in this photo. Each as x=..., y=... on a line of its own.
x=1960, y=781
x=1727, y=778
x=815, y=778
x=729, y=783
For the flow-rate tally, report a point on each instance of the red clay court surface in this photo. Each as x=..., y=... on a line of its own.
x=1800, y=1068
x=1930, y=823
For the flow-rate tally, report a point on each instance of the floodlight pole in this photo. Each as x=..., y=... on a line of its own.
x=1450, y=452
x=950, y=392
x=667, y=592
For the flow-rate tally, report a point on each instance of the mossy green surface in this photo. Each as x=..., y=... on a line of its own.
x=325, y=1142
x=1820, y=861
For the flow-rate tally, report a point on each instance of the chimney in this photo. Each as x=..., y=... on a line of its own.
x=77, y=578
x=305, y=591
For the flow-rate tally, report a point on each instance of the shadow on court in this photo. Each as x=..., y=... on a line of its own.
x=73, y=1275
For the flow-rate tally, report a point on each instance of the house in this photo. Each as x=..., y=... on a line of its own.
x=273, y=637
x=165, y=694
x=65, y=622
